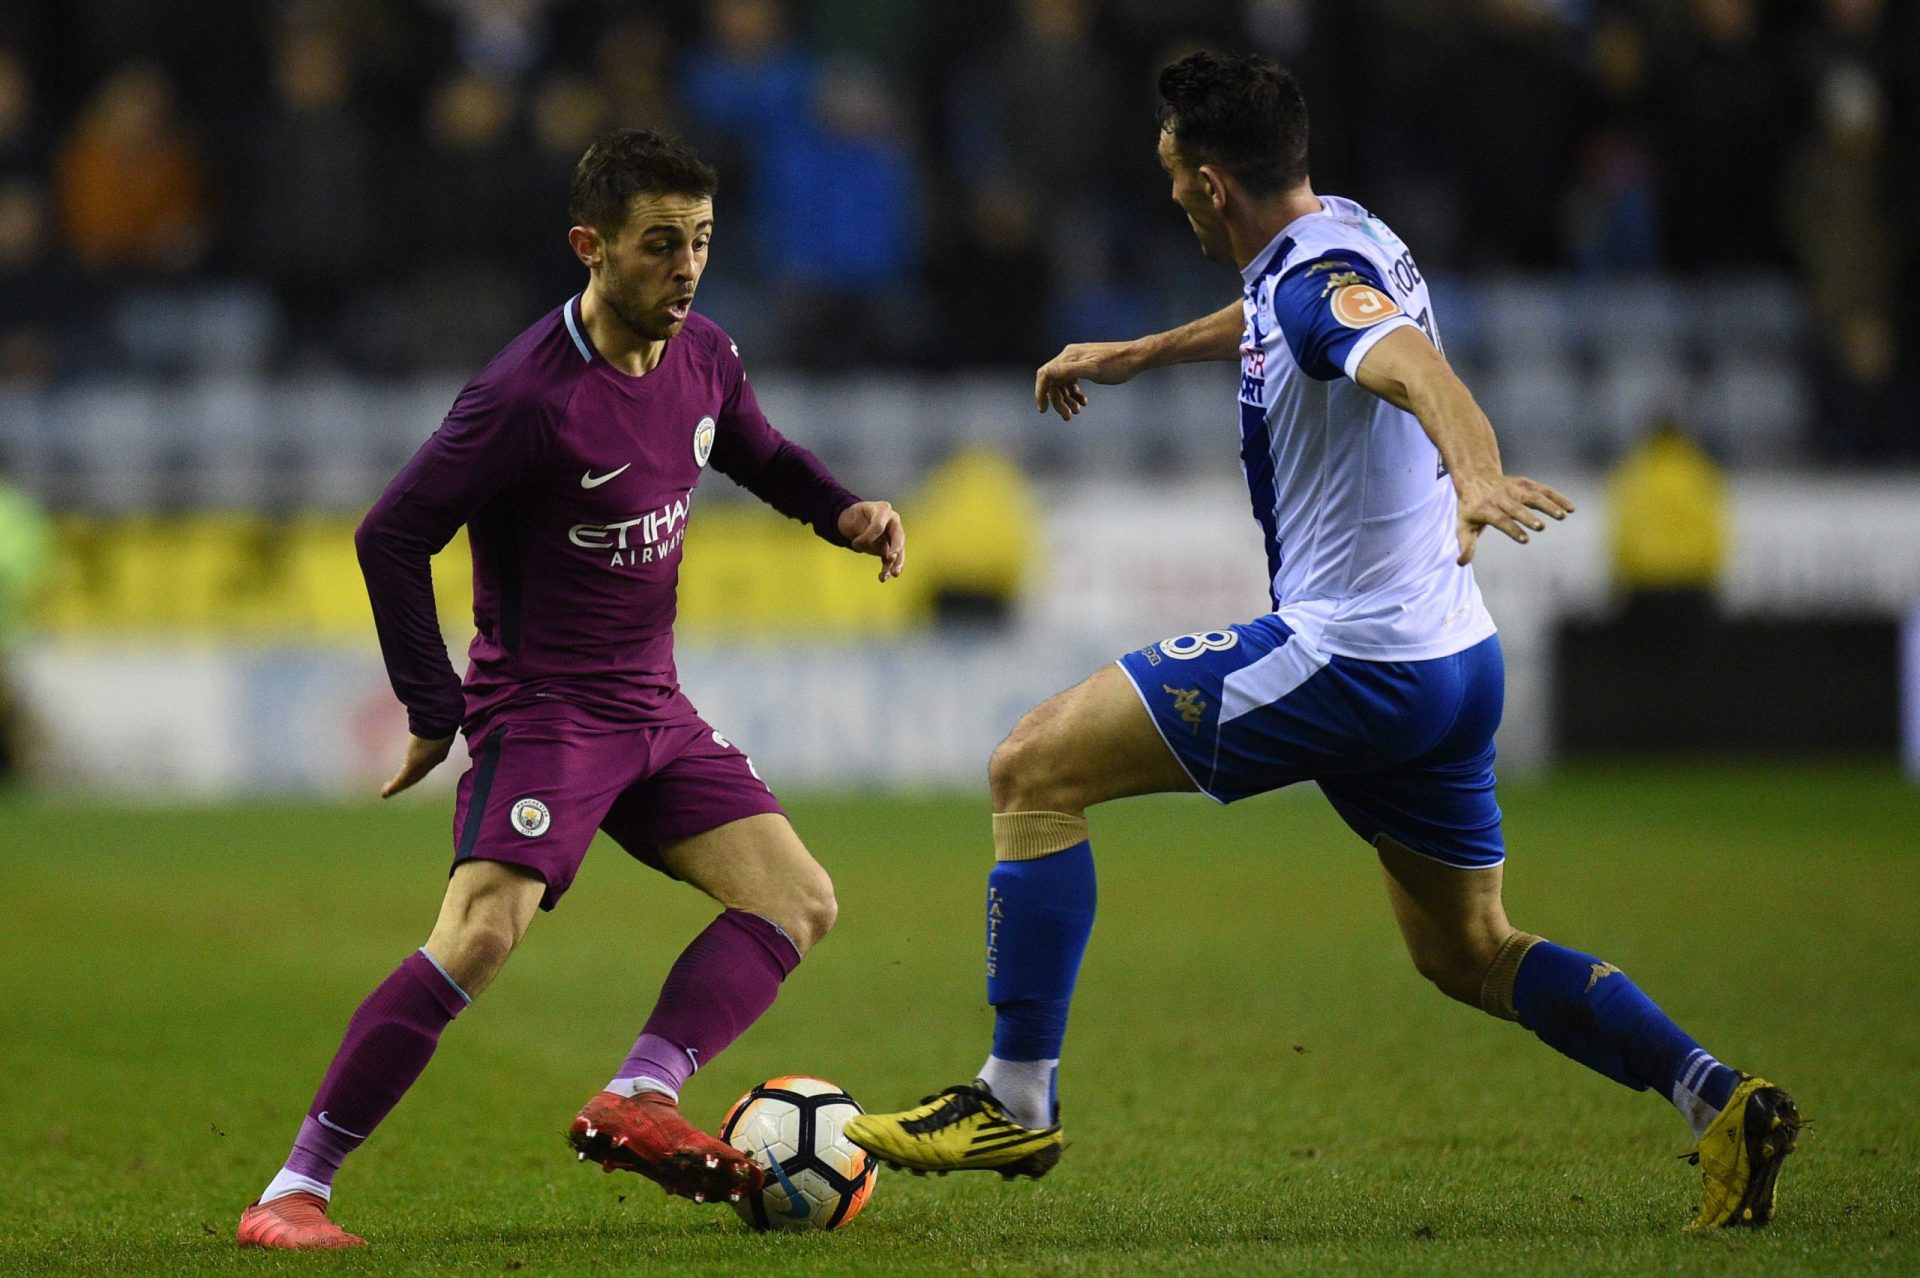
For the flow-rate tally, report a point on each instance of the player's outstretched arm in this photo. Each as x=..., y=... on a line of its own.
x=1406, y=370
x=874, y=528
x=1211, y=337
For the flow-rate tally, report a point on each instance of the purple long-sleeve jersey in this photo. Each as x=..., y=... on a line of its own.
x=573, y=480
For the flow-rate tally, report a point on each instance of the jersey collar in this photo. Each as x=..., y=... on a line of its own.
x=1269, y=259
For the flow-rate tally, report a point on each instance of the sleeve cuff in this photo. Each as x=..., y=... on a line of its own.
x=1368, y=340
x=830, y=531
x=428, y=729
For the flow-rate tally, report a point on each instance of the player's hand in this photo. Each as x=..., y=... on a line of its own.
x=1057, y=384
x=874, y=528
x=424, y=754
x=1507, y=502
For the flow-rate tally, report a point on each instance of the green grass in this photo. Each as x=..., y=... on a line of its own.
x=1257, y=1081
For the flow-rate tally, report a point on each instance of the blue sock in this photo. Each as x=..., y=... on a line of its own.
x=1589, y=1010
x=1039, y=916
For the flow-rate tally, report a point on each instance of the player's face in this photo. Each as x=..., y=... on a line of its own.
x=648, y=272
x=1193, y=192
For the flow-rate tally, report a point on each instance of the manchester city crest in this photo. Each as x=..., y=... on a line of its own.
x=703, y=441
x=531, y=818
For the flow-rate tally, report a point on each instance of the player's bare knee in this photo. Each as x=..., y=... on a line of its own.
x=1024, y=776
x=1003, y=767
x=486, y=912
x=489, y=945
x=822, y=912
x=804, y=908
x=812, y=914
x=1460, y=982
x=1456, y=970
x=1462, y=965
x=474, y=949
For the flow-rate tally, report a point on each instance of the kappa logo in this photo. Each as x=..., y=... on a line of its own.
x=1601, y=971
x=703, y=441
x=1339, y=279
x=1187, y=701
x=1363, y=306
x=531, y=818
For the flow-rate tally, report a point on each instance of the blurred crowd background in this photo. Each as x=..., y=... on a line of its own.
x=378, y=187
x=250, y=249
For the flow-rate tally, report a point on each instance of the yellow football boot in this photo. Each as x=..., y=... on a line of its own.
x=962, y=1129
x=1740, y=1155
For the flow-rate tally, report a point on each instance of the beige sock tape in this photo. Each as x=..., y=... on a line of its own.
x=1496, y=990
x=1024, y=836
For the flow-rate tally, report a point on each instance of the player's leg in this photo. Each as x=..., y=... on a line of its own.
x=1582, y=1006
x=1458, y=935
x=389, y=1040
x=483, y=918
x=1436, y=827
x=525, y=812
x=1090, y=744
x=778, y=902
x=1589, y=1010
x=705, y=818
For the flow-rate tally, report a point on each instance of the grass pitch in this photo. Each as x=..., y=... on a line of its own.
x=1256, y=1079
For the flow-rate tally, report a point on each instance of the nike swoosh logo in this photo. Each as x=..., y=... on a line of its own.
x=332, y=1126
x=591, y=480
x=793, y=1195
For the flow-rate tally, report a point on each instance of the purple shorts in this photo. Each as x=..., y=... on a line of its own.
x=545, y=777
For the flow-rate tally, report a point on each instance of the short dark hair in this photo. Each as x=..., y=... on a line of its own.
x=630, y=162
x=1245, y=114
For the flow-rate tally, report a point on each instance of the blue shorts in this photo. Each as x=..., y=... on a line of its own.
x=1400, y=748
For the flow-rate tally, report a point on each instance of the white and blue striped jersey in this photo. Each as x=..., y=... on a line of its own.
x=1356, y=508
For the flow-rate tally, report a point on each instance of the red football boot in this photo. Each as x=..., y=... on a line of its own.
x=646, y=1134
x=293, y=1222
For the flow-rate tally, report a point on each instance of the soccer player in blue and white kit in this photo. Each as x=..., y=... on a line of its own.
x=1376, y=675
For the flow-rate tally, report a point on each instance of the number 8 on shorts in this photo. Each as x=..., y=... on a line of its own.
x=1186, y=647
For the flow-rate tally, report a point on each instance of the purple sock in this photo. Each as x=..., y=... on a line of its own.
x=722, y=983
x=388, y=1042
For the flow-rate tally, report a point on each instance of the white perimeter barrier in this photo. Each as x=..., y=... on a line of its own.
x=1121, y=565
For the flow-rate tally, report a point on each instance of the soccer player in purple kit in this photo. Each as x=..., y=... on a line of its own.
x=572, y=459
